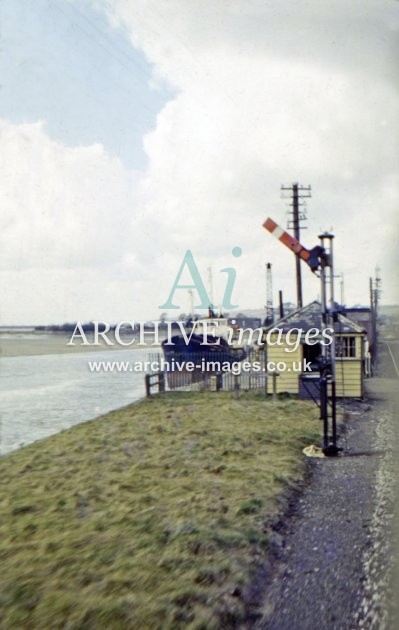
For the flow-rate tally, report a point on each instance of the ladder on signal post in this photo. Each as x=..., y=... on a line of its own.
x=320, y=260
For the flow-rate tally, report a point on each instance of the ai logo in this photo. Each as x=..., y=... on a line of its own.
x=189, y=263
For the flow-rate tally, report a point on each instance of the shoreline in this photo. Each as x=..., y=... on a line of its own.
x=36, y=343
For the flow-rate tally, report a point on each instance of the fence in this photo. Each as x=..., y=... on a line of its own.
x=209, y=372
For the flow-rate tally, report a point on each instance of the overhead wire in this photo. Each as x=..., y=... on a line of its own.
x=133, y=94
x=135, y=62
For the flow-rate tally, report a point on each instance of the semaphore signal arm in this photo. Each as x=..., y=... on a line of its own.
x=315, y=257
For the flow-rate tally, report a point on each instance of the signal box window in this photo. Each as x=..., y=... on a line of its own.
x=345, y=347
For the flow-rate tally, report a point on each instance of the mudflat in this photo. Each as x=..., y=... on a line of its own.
x=40, y=343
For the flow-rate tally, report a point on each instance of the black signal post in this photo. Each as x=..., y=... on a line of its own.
x=321, y=262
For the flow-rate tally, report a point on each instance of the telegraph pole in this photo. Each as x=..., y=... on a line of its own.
x=342, y=285
x=297, y=214
x=375, y=292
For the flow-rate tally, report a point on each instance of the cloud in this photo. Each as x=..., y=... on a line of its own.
x=270, y=93
x=265, y=94
x=70, y=235
x=61, y=207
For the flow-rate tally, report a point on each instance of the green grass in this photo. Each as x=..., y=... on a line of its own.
x=152, y=516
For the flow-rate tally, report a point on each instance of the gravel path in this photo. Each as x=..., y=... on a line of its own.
x=332, y=557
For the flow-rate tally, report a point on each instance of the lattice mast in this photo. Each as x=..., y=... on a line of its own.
x=269, y=295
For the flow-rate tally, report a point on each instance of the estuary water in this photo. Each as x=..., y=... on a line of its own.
x=44, y=394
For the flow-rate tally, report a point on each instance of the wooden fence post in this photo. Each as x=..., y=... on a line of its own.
x=161, y=382
x=274, y=377
x=236, y=386
x=147, y=385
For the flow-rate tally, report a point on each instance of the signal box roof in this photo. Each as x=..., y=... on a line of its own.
x=309, y=316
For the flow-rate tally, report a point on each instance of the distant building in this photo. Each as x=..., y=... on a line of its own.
x=352, y=355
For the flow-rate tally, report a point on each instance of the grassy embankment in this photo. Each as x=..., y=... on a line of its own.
x=153, y=516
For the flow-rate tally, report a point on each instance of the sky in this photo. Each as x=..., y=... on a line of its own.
x=132, y=131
